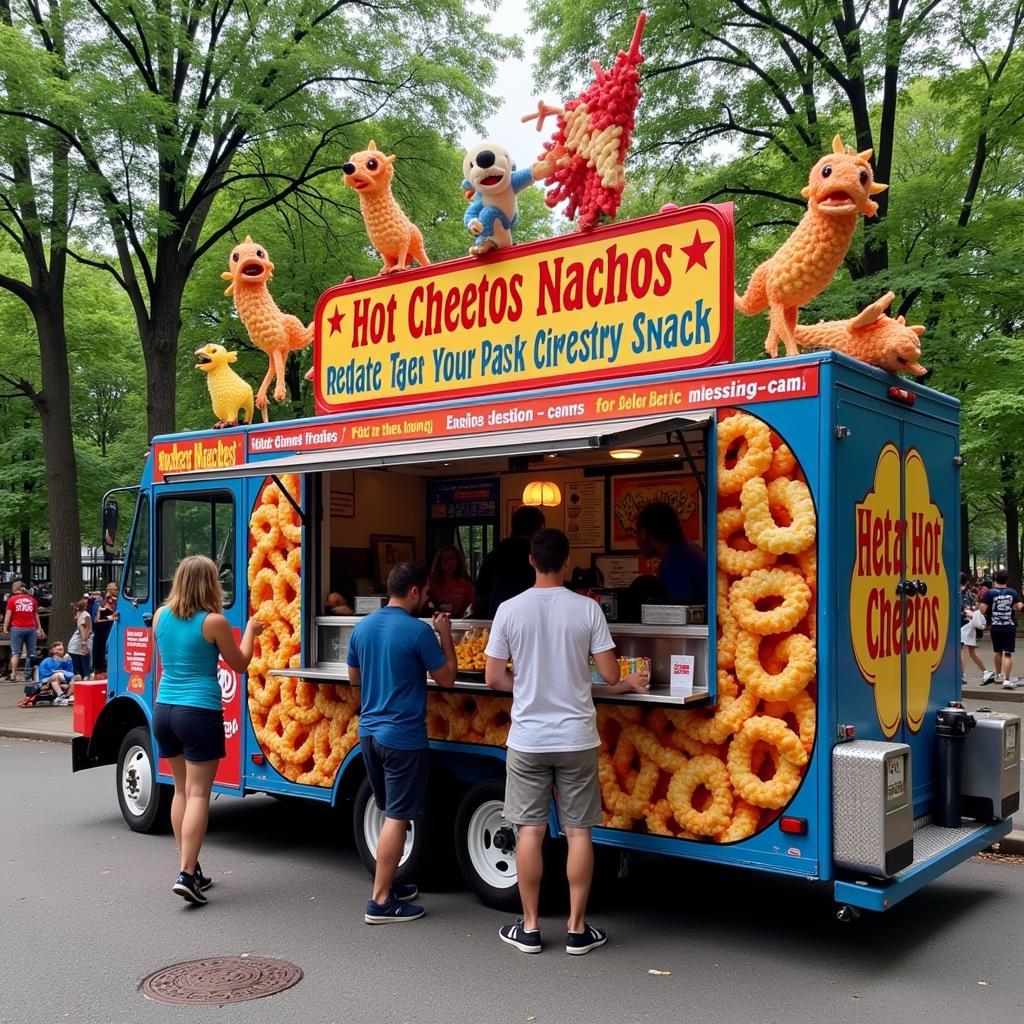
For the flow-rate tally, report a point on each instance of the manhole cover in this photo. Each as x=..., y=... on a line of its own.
x=220, y=980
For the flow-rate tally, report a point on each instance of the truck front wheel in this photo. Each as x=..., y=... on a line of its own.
x=367, y=819
x=145, y=803
x=489, y=871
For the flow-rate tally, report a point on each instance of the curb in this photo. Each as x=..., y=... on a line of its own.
x=993, y=693
x=1013, y=843
x=35, y=734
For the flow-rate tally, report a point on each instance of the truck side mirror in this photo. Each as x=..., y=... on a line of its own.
x=109, y=523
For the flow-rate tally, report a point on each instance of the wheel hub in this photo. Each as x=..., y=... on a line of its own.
x=495, y=866
x=137, y=780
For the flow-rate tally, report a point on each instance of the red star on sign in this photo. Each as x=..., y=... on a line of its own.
x=696, y=251
x=335, y=321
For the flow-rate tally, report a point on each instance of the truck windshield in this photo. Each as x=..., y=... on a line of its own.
x=200, y=524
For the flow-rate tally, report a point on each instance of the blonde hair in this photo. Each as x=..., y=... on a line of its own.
x=196, y=588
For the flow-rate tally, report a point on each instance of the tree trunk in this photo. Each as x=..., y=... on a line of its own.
x=54, y=405
x=26, y=556
x=160, y=345
x=1012, y=513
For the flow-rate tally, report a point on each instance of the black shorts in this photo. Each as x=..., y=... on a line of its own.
x=398, y=779
x=1004, y=639
x=198, y=733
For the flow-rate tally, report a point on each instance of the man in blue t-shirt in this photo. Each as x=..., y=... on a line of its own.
x=998, y=604
x=389, y=655
x=683, y=571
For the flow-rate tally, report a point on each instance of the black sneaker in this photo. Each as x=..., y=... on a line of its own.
x=188, y=889
x=202, y=881
x=578, y=943
x=395, y=911
x=404, y=891
x=516, y=935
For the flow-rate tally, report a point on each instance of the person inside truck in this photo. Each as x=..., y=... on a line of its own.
x=188, y=718
x=683, y=571
x=506, y=571
x=449, y=588
x=389, y=655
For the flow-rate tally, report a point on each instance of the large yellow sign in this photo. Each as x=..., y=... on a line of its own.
x=633, y=298
x=899, y=590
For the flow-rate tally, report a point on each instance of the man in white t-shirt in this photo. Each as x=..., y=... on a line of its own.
x=550, y=634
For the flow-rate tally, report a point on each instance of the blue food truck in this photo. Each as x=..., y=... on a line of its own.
x=793, y=723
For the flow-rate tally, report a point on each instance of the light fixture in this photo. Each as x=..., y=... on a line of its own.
x=542, y=493
x=626, y=453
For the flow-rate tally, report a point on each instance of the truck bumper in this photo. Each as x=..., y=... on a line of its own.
x=936, y=851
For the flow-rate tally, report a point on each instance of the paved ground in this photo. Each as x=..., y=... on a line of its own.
x=87, y=914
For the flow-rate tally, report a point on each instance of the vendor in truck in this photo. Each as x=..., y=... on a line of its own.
x=506, y=571
x=683, y=572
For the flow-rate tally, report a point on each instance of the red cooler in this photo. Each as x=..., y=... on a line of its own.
x=90, y=696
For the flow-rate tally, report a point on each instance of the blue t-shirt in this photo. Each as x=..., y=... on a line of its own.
x=51, y=666
x=684, y=573
x=1000, y=601
x=394, y=652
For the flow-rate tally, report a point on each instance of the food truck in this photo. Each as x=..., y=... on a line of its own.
x=790, y=726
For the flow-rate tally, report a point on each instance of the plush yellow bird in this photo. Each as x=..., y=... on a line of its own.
x=229, y=393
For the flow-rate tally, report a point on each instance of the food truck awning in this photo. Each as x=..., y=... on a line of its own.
x=540, y=440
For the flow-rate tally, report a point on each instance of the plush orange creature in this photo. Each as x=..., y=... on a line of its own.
x=838, y=192
x=871, y=337
x=391, y=232
x=276, y=333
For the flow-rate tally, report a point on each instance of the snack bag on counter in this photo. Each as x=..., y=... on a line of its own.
x=627, y=666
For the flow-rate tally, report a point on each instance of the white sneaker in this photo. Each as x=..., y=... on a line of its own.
x=1012, y=684
x=987, y=676
x=1000, y=678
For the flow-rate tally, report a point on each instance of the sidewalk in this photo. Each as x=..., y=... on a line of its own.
x=42, y=723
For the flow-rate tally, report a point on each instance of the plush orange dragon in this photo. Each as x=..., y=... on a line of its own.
x=276, y=333
x=391, y=232
x=838, y=192
x=871, y=337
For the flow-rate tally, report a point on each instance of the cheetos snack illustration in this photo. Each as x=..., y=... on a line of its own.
x=228, y=392
x=276, y=333
x=838, y=192
x=391, y=232
x=872, y=337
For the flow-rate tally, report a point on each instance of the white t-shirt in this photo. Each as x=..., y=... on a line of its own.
x=75, y=644
x=550, y=633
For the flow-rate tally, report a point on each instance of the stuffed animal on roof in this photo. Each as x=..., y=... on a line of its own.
x=229, y=393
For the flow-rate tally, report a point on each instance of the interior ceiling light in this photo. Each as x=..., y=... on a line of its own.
x=542, y=493
x=626, y=453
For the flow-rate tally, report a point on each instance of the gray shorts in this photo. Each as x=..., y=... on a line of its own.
x=573, y=774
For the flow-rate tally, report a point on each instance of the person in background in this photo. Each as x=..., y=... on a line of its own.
x=683, y=571
x=106, y=616
x=449, y=588
x=188, y=716
x=506, y=571
x=337, y=605
x=550, y=634
x=389, y=655
x=968, y=633
x=21, y=620
x=998, y=605
x=80, y=644
x=57, y=672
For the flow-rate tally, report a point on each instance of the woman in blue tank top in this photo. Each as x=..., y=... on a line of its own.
x=188, y=718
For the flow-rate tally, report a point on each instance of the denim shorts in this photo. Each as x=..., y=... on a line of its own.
x=23, y=639
x=398, y=779
x=198, y=733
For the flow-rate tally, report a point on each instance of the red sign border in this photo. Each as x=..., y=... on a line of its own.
x=721, y=352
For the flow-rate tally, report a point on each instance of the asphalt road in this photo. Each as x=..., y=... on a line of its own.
x=88, y=914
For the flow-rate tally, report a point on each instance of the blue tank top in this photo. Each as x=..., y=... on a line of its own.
x=189, y=662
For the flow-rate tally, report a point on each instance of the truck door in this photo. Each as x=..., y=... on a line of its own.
x=896, y=491
x=206, y=522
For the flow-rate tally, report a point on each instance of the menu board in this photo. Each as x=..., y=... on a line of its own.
x=463, y=499
x=630, y=494
x=584, y=513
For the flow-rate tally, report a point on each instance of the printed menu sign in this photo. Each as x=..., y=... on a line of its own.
x=584, y=513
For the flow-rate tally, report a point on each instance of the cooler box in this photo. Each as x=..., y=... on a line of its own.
x=90, y=696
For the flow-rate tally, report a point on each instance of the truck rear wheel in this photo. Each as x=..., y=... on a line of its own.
x=145, y=803
x=367, y=819
x=488, y=871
